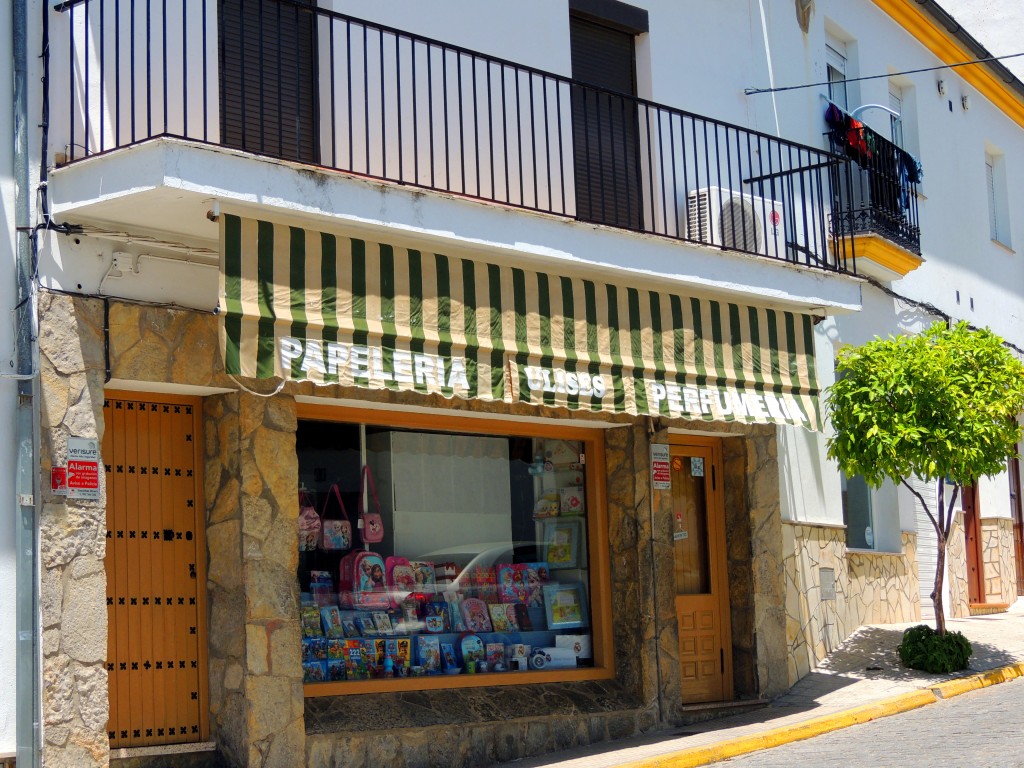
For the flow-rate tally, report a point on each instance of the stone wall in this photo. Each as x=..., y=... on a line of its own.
x=998, y=562
x=957, y=604
x=258, y=714
x=883, y=586
x=870, y=588
x=815, y=626
x=73, y=583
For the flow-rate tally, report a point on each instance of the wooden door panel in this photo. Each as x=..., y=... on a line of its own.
x=155, y=576
x=701, y=582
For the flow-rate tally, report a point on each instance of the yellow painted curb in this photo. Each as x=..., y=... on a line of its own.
x=977, y=682
x=697, y=756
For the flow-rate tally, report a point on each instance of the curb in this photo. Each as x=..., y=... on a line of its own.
x=698, y=756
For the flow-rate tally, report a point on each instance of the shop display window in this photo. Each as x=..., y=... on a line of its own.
x=427, y=554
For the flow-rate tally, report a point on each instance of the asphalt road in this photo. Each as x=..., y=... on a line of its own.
x=980, y=729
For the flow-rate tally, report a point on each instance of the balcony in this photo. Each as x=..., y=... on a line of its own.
x=284, y=80
x=875, y=196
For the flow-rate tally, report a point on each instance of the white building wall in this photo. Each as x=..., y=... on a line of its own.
x=8, y=393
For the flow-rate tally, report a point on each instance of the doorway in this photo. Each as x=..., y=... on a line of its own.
x=701, y=571
x=972, y=546
x=156, y=570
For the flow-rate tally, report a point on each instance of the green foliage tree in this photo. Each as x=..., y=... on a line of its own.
x=941, y=405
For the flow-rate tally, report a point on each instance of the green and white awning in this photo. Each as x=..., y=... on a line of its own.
x=305, y=305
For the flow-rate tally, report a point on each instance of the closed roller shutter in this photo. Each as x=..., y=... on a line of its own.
x=605, y=132
x=268, y=54
x=927, y=544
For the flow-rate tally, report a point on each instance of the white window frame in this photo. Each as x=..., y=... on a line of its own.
x=996, y=197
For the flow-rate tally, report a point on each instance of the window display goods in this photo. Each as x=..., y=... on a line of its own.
x=465, y=555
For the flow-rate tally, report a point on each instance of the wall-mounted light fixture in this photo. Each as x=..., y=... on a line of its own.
x=941, y=85
x=965, y=102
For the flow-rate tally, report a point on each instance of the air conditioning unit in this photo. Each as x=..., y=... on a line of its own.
x=740, y=222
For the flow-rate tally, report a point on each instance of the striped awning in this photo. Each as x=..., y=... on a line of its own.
x=305, y=305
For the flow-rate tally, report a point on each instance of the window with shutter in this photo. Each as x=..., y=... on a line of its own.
x=605, y=130
x=268, y=55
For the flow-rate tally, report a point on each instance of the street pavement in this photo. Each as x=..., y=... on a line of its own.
x=979, y=729
x=862, y=680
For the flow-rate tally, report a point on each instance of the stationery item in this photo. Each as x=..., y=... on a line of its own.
x=337, y=531
x=475, y=615
x=370, y=521
x=321, y=587
x=499, y=619
x=401, y=579
x=331, y=619
x=512, y=587
x=311, y=621
x=428, y=652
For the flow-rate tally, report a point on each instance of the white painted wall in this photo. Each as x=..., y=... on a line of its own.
x=698, y=57
x=8, y=392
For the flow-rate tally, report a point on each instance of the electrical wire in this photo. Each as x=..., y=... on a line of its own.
x=754, y=91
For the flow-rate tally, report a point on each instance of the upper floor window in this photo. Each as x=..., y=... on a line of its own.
x=896, y=120
x=836, y=64
x=995, y=188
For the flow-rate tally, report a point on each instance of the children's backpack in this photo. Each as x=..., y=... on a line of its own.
x=309, y=524
x=337, y=532
x=401, y=581
x=361, y=583
x=371, y=523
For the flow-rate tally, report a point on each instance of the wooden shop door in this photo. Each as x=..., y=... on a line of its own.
x=972, y=545
x=156, y=570
x=701, y=576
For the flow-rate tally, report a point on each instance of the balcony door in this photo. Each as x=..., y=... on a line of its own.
x=606, y=148
x=268, y=75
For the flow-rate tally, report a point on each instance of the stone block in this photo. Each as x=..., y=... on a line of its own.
x=224, y=543
x=266, y=717
x=84, y=623
x=93, y=702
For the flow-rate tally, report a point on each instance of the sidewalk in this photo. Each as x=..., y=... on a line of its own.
x=860, y=681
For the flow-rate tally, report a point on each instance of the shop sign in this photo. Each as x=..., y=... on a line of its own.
x=562, y=382
x=661, y=473
x=721, y=404
x=83, y=469
x=373, y=364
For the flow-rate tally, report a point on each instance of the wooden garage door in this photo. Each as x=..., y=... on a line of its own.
x=156, y=574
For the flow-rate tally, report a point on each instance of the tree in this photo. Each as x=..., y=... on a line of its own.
x=941, y=405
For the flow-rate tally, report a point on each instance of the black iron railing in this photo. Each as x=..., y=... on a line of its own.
x=876, y=193
x=287, y=80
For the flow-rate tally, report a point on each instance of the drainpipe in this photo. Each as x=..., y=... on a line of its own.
x=27, y=719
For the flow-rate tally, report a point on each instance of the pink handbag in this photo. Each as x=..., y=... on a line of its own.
x=337, y=532
x=309, y=524
x=371, y=523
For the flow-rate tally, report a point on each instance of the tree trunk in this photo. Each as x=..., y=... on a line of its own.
x=940, y=568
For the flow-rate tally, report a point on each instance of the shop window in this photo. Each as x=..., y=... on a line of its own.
x=479, y=565
x=857, y=515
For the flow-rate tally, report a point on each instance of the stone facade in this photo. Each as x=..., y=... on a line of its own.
x=959, y=603
x=998, y=563
x=72, y=540
x=869, y=588
x=883, y=586
x=258, y=714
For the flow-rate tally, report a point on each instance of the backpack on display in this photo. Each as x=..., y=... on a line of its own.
x=401, y=580
x=371, y=524
x=337, y=532
x=309, y=524
x=361, y=583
